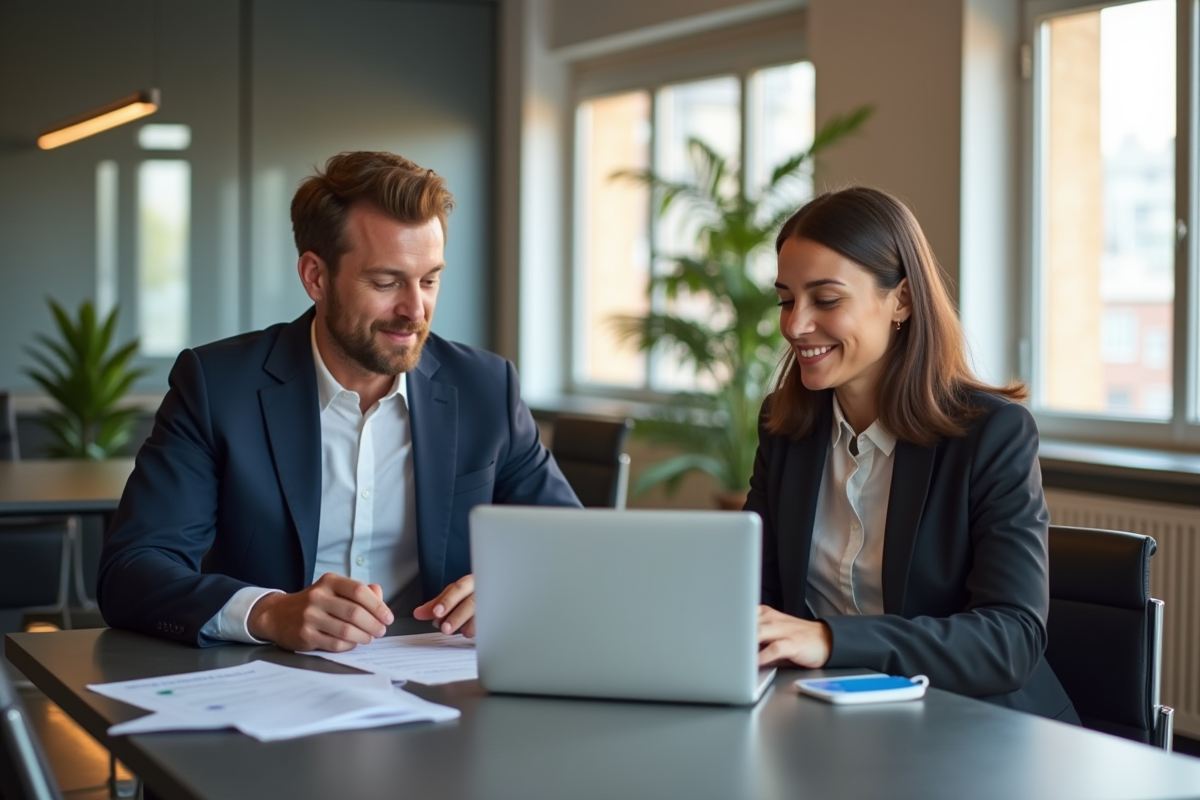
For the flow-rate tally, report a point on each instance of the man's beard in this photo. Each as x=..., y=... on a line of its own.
x=364, y=349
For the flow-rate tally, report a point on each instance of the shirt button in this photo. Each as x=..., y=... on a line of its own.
x=366, y=493
x=360, y=561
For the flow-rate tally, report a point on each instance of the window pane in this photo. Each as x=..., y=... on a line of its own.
x=781, y=121
x=708, y=110
x=781, y=125
x=106, y=236
x=612, y=237
x=164, y=213
x=1106, y=261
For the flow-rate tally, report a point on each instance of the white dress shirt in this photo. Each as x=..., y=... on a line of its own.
x=845, y=568
x=368, y=528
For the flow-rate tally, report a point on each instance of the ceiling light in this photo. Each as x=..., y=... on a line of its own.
x=127, y=109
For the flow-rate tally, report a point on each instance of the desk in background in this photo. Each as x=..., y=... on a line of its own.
x=58, y=488
x=529, y=748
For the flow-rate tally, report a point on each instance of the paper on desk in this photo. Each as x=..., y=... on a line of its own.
x=268, y=702
x=429, y=658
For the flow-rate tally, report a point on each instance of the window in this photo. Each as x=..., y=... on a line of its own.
x=1105, y=261
x=758, y=117
x=164, y=214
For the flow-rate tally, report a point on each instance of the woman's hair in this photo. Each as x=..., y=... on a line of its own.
x=925, y=385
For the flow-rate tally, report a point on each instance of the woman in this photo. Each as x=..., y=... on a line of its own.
x=904, y=527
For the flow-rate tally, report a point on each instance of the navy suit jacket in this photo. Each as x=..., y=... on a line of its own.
x=965, y=567
x=226, y=492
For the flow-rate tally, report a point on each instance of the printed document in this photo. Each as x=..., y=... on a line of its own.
x=429, y=658
x=268, y=702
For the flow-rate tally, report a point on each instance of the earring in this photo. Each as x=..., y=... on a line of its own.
x=897, y=325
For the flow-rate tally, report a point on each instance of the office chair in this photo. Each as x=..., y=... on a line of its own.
x=589, y=453
x=24, y=771
x=1105, y=632
x=35, y=552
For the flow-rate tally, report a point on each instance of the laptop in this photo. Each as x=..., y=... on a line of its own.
x=634, y=605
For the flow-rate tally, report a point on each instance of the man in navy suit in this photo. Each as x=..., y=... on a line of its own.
x=346, y=446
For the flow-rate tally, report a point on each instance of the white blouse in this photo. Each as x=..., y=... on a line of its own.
x=845, y=568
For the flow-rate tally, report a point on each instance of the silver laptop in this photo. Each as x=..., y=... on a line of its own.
x=639, y=605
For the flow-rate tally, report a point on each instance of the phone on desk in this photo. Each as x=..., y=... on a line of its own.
x=855, y=689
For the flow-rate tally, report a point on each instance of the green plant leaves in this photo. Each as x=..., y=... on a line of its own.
x=86, y=382
x=737, y=343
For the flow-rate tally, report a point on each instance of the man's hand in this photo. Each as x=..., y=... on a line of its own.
x=783, y=638
x=453, y=609
x=335, y=614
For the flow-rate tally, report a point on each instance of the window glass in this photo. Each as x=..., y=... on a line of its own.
x=106, y=236
x=157, y=136
x=612, y=237
x=710, y=111
x=1106, y=252
x=781, y=105
x=781, y=108
x=164, y=221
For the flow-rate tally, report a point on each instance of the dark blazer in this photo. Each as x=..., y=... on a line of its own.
x=965, y=575
x=226, y=492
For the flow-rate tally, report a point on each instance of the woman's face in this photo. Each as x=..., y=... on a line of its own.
x=835, y=318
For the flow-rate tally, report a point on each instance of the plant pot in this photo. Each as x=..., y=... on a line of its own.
x=729, y=501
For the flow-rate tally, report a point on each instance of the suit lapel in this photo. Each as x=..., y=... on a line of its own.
x=911, y=473
x=433, y=414
x=291, y=414
x=803, y=471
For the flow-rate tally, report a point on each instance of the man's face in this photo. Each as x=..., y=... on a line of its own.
x=379, y=303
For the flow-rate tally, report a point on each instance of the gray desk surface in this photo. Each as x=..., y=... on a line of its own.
x=62, y=486
x=528, y=748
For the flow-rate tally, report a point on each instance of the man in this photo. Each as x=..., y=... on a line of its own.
x=347, y=446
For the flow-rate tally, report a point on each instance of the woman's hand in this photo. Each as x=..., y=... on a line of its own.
x=783, y=638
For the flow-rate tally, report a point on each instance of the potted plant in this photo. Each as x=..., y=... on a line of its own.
x=736, y=346
x=87, y=380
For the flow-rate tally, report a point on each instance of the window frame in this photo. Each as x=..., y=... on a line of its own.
x=1182, y=429
x=738, y=53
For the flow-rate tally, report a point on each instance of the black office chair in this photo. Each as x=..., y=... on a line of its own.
x=1105, y=632
x=589, y=451
x=35, y=552
x=24, y=771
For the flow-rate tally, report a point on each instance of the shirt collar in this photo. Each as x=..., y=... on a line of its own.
x=876, y=433
x=328, y=387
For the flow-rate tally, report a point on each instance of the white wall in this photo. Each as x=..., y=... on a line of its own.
x=906, y=59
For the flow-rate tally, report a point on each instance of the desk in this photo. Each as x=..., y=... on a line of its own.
x=528, y=748
x=60, y=487
x=65, y=487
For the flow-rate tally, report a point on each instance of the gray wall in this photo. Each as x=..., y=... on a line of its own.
x=270, y=88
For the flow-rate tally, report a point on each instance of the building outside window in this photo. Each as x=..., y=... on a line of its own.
x=1110, y=207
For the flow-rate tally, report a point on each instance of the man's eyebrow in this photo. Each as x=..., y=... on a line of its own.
x=390, y=271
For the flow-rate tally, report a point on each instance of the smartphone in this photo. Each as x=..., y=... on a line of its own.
x=854, y=689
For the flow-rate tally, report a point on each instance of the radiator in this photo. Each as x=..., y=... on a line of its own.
x=1174, y=578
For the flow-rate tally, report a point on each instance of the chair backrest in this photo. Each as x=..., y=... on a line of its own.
x=24, y=771
x=589, y=452
x=1105, y=631
x=8, y=428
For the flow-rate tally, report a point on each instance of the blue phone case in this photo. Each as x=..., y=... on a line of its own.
x=856, y=689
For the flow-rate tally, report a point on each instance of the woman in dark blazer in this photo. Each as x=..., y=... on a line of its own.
x=904, y=527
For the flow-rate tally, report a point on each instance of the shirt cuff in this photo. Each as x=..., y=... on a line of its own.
x=230, y=624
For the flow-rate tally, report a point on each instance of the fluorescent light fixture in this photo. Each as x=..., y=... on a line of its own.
x=127, y=109
x=165, y=137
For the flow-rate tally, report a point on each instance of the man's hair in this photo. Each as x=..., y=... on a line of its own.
x=388, y=182
x=925, y=388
